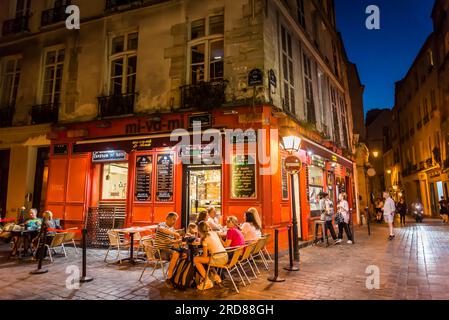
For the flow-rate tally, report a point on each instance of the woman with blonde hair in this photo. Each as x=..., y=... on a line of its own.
x=343, y=218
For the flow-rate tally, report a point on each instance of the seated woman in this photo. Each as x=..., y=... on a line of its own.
x=251, y=229
x=234, y=237
x=202, y=216
x=213, y=252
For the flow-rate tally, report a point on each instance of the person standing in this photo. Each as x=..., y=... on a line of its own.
x=402, y=210
x=389, y=210
x=343, y=210
x=327, y=215
x=444, y=211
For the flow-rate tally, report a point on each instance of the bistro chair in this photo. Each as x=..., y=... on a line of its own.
x=56, y=242
x=115, y=242
x=257, y=253
x=70, y=239
x=232, y=265
x=153, y=257
x=245, y=260
x=264, y=251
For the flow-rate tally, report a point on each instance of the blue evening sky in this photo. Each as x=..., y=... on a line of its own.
x=383, y=56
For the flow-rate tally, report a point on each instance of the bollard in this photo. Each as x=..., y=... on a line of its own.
x=275, y=277
x=85, y=278
x=39, y=269
x=368, y=218
x=290, y=251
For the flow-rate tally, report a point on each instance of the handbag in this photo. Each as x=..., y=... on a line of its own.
x=339, y=218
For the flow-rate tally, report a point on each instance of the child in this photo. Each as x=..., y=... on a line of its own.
x=192, y=231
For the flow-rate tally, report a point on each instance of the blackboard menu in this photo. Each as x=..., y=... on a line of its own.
x=243, y=177
x=284, y=181
x=164, y=189
x=144, y=168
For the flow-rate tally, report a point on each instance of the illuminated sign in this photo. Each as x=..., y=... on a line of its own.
x=109, y=156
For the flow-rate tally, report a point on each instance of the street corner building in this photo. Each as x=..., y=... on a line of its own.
x=87, y=115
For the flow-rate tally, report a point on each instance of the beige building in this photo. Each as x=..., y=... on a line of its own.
x=153, y=58
x=421, y=116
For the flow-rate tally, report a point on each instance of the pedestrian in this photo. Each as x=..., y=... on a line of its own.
x=379, y=207
x=389, y=210
x=444, y=211
x=327, y=215
x=343, y=217
x=402, y=210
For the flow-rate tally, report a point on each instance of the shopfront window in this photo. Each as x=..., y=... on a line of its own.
x=114, y=181
x=316, y=186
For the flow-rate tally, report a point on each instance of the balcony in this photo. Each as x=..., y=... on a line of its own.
x=204, y=96
x=116, y=5
x=6, y=116
x=15, y=26
x=44, y=113
x=54, y=15
x=116, y=105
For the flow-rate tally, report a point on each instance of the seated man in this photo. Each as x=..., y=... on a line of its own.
x=167, y=240
x=33, y=223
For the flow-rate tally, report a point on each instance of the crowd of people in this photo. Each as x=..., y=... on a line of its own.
x=213, y=237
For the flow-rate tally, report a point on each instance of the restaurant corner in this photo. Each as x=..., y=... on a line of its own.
x=135, y=166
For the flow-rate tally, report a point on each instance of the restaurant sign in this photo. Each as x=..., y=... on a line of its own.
x=108, y=156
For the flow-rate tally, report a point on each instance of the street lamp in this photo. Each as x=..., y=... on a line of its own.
x=292, y=144
x=388, y=171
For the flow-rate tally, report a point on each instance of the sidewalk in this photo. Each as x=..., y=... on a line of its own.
x=413, y=266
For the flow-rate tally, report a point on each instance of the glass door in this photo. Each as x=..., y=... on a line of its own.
x=202, y=191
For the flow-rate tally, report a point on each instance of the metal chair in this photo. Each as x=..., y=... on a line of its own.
x=245, y=260
x=56, y=242
x=232, y=265
x=264, y=251
x=153, y=257
x=70, y=239
x=116, y=242
x=257, y=253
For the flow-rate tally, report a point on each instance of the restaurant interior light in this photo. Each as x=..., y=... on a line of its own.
x=291, y=143
x=310, y=153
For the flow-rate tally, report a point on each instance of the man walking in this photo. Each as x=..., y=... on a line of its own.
x=389, y=211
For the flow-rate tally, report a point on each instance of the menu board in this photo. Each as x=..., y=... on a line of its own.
x=164, y=189
x=144, y=170
x=243, y=179
x=284, y=181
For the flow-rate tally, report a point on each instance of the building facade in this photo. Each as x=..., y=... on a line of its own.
x=421, y=112
x=139, y=76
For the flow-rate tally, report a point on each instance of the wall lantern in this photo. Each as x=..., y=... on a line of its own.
x=388, y=171
x=291, y=143
x=376, y=154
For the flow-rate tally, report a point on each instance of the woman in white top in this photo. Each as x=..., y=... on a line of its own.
x=213, y=252
x=251, y=229
x=343, y=210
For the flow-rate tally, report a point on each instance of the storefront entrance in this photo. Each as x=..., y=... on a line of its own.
x=202, y=188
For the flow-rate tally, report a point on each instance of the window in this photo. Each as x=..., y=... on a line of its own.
x=433, y=100
x=22, y=7
x=114, y=181
x=53, y=71
x=123, y=61
x=308, y=86
x=431, y=60
x=335, y=116
x=207, y=50
x=287, y=68
x=343, y=121
x=10, y=83
x=301, y=13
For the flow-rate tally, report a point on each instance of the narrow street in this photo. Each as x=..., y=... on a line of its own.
x=413, y=266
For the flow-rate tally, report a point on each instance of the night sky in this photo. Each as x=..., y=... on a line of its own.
x=384, y=56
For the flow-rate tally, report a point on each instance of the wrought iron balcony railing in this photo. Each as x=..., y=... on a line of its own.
x=6, y=116
x=54, y=15
x=14, y=26
x=112, y=5
x=204, y=96
x=44, y=113
x=116, y=105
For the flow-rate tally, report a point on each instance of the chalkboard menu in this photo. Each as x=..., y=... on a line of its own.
x=164, y=189
x=284, y=181
x=144, y=169
x=243, y=177
x=60, y=149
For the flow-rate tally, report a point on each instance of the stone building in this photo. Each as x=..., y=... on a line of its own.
x=422, y=115
x=139, y=69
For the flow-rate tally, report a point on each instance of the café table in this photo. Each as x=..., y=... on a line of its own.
x=131, y=232
x=22, y=243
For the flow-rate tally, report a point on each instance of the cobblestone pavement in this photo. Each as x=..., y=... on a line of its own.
x=413, y=266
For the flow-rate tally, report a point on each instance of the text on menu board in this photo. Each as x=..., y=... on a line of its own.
x=164, y=192
x=243, y=177
x=144, y=170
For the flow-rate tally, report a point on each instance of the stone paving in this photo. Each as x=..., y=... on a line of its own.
x=413, y=266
